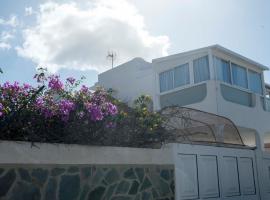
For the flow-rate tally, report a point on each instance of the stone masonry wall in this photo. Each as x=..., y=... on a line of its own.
x=86, y=182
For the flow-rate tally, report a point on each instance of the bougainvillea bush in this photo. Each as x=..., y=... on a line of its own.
x=69, y=112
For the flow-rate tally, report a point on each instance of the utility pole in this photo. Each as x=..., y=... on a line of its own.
x=112, y=56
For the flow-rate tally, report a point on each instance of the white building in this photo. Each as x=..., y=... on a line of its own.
x=212, y=79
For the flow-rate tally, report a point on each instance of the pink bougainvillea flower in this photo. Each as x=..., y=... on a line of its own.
x=84, y=89
x=1, y=109
x=65, y=107
x=71, y=80
x=95, y=112
x=55, y=83
x=39, y=102
x=111, y=109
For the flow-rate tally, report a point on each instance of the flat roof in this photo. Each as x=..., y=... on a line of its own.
x=216, y=46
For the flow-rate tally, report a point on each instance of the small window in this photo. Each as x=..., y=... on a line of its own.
x=166, y=80
x=255, y=82
x=223, y=70
x=239, y=75
x=201, y=69
x=181, y=75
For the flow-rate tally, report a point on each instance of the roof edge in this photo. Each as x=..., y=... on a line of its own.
x=221, y=48
x=216, y=46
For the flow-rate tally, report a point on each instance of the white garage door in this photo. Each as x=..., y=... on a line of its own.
x=205, y=172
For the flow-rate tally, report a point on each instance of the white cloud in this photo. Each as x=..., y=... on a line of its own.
x=4, y=46
x=12, y=21
x=28, y=11
x=6, y=35
x=68, y=35
x=5, y=38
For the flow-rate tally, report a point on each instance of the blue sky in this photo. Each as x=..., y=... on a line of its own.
x=72, y=38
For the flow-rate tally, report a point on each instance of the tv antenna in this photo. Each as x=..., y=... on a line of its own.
x=111, y=56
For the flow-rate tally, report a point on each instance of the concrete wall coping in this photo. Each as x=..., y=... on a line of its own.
x=12, y=152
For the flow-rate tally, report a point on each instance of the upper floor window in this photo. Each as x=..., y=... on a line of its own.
x=173, y=78
x=166, y=80
x=223, y=70
x=181, y=75
x=201, y=69
x=239, y=76
x=255, y=82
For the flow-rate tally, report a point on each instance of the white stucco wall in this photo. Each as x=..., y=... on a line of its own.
x=129, y=80
x=44, y=153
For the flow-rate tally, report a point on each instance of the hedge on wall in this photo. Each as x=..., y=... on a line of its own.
x=69, y=112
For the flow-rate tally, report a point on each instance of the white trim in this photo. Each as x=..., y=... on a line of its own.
x=211, y=65
x=191, y=73
x=12, y=152
x=205, y=49
x=219, y=47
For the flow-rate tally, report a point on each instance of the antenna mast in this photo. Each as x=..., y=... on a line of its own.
x=112, y=56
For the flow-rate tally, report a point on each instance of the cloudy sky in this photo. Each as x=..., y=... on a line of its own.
x=73, y=37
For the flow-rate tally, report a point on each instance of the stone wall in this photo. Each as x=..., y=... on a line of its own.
x=86, y=182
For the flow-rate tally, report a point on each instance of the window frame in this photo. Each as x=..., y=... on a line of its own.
x=209, y=73
x=246, y=76
x=188, y=73
x=216, y=70
x=173, y=79
x=261, y=82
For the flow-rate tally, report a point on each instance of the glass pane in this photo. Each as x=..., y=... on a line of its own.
x=201, y=69
x=239, y=76
x=166, y=80
x=181, y=75
x=191, y=125
x=255, y=82
x=223, y=70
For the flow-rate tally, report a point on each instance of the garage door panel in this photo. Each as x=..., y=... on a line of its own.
x=246, y=175
x=188, y=179
x=208, y=173
x=229, y=177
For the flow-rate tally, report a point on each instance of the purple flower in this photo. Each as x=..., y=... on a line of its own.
x=84, y=89
x=55, y=83
x=1, y=109
x=95, y=112
x=65, y=107
x=26, y=86
x=48, y=113
x=6, y=85
x=111, y=109
x=15, y=86
x=71, y=80
x=39, y=102
x=99, y=97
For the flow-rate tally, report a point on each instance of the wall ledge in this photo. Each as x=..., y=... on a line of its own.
x=13, y=152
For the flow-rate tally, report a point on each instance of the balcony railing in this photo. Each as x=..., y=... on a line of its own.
x=238, y=96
